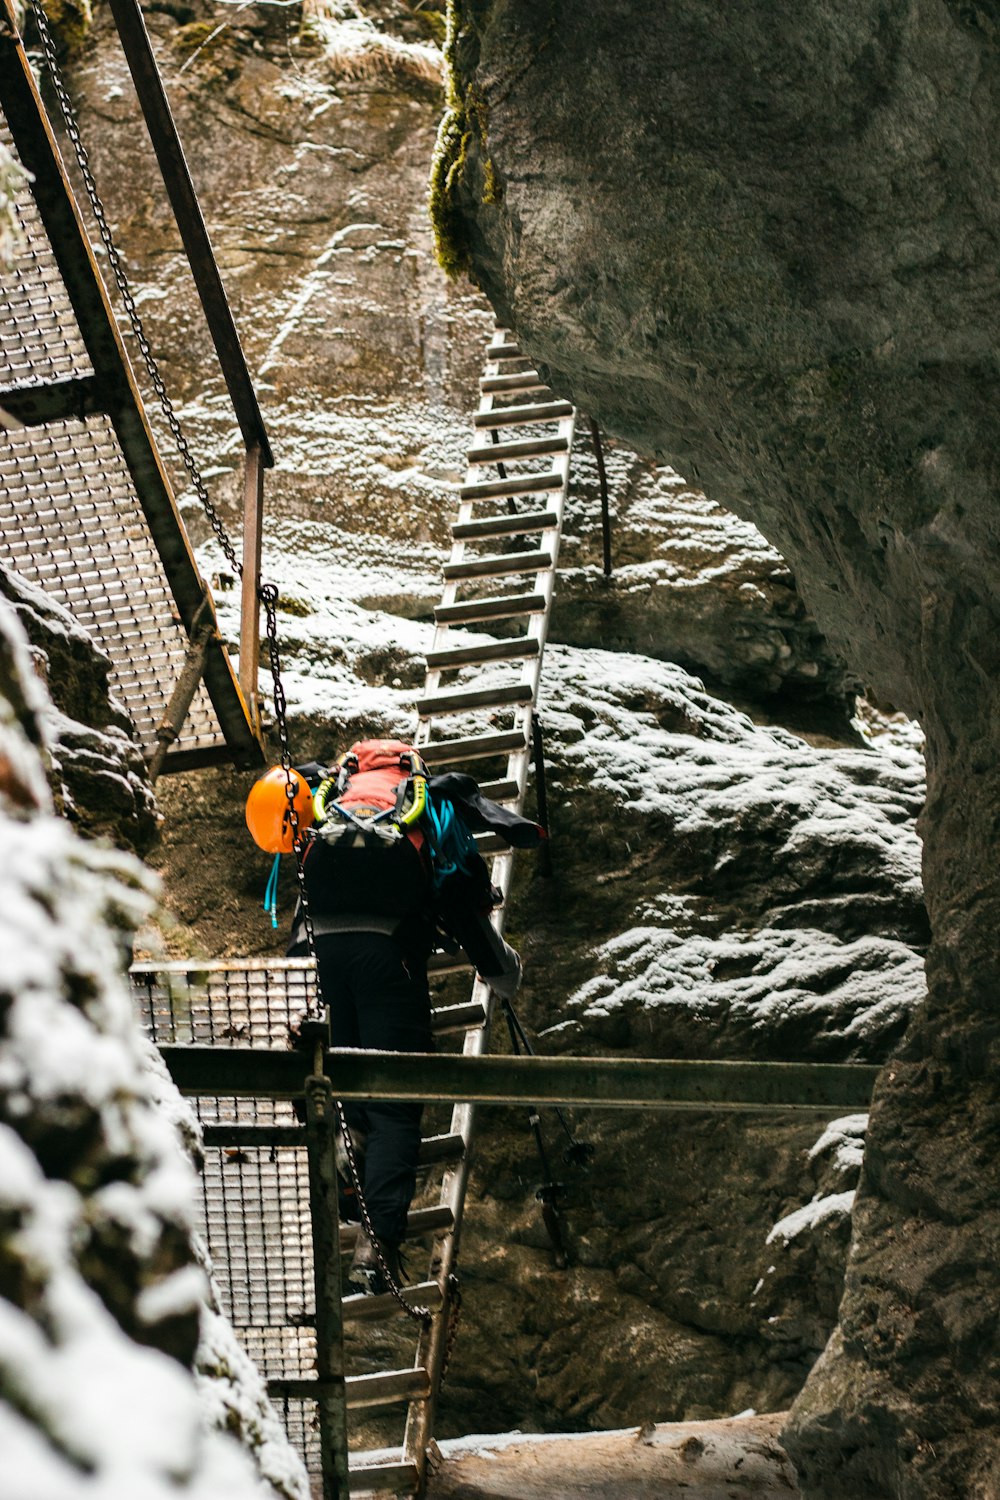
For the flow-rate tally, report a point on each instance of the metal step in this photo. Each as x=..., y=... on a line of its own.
x=476, y=747
x=526, y=484
x=500, y=791
x=490, y=843
x=523, y=416
x=525, y=380
x=447, y=963
x=504, y=525
x=393, y=1385
x=381, y=1479
x=504, y=351
x=532, y=561
x=361, y=1309
x=500, y=607
x=498, y=453
x=467, y=656
x=362, y=1390
x=419, y=1221
x=465, y=1017
x=458, y=701
x=441, y=1148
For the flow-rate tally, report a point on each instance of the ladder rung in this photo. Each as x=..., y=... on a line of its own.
x=476, y=747
x=504, y=525
x=526, y=484
x=524, y=380
x=456, y=702
x=438, y=1148
x=466, y=656
x=392, y=1385
x=500, y=791
x=419, y=1221
x=502, y=607
x=371, y=1479
x=498, y=453
x=517, y=416
x=466, y=1017
x=504, y=351
x=361, y=1390
x=490, y=843
x=363, y=1309
x=532, y=561
x=447, y=963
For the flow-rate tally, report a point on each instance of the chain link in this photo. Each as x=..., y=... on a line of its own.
x=125, y=290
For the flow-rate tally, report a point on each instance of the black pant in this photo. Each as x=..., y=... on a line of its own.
x=378, y=998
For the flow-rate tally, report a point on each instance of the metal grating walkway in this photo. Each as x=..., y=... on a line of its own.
x=477, y=706
x=86, y=510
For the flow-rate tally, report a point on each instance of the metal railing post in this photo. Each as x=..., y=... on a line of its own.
x=331, y=1390
x=253, y=524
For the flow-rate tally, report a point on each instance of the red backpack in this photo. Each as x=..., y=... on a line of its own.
x=368, y=853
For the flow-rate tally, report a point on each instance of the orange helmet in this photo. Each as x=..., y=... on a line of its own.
x=268, y=811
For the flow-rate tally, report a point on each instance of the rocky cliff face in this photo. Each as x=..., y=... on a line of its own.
x=101, y=1293
x=764, y=251
x=722, y=887
x=95, y=768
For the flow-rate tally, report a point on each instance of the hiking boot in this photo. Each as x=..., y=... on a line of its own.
x=347, y=1198
x=365, y=1275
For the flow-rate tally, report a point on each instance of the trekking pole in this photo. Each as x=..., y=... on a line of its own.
x=548, y=1193
x=577, y=1153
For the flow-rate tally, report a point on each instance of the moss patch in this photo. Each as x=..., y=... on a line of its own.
x=463, y=129
x=70, y=21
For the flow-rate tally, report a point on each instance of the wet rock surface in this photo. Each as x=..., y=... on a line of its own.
x=101, y=1293
x=96, y=770
x=722, y=887
x=762, y=252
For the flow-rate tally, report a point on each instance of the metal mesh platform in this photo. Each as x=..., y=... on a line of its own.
x=72, y=519
x=39, y=337
x=70, y=524
x=255, y=1199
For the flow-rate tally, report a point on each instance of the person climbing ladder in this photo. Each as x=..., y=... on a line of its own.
x=390, y=869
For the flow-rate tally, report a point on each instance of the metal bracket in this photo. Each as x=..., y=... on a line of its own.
x=185, y=688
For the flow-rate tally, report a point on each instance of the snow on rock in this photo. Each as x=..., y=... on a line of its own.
x=776, y=889
x=94, y=762
x=807, y=1246
x=100, y=1294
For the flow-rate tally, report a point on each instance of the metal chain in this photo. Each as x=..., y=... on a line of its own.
x=125, y=290
x=421, y=1315
x=269, y=599
x=268, y=593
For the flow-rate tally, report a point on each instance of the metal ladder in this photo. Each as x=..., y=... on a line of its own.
x=477, y=706
x=523, y=432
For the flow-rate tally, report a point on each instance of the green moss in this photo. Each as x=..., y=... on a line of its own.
x=195, y=35
x=70, y=21
x=289, y=605
x=465, y=125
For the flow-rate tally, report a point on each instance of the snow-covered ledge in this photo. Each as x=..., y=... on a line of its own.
x=103, y=1300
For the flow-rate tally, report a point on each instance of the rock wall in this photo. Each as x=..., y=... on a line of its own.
x=764, y=250
x=101, y=1293
x=740, y=891
x=96, y=772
